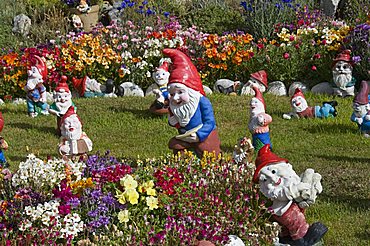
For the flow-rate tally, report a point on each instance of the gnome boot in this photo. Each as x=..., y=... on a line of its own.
x=333, y=104
x=120, y=91
x=109, y=86
x=314, y=234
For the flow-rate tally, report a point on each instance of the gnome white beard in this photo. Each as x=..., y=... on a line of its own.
x=63, y=106
x=342, y=79
x=72, y=128
x=185, y=112
x=75, y=134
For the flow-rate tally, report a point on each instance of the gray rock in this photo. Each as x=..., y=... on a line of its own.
x=207, y=90
x=323, y=88
x=149, y=91
x=226, y=86
x=304, y=88
x=22, y=25
x=277, y=88
x=131, y=89
x=329, y=7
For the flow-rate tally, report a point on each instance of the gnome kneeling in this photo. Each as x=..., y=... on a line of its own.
x=190, y=110
x=302, y=110
x=361, y=109
x=74, y=141
x=290, y=195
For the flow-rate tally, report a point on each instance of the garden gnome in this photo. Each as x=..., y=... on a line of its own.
x=361, y=109
x=62, y=101
x=300, y=108
x=258, y=79
x=290, y=195
x=36, y=91
x=159, y=89
x=87, y=87
x=259, y=121
x=3, y=143
x=190, y=111
x=83, y=7
x=73, y=142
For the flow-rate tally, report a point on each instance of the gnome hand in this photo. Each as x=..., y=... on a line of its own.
x=367, y=117
x=261, y=120
x=193, y=138
x=287, y=116
x=359, y=121
x=64, y=149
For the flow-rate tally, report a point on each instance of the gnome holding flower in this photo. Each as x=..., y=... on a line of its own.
x=74, y=141
x=190, y=111
x=290, y=195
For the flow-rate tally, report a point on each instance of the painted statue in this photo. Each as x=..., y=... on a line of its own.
x=83, y=7
x=3, y=143
x=35, y=89
x=300, y=108
x=290, y=195
x=159, y=89
x=73, y=142
x=62, y=101
x=343, y=82
x=259, y=121
x=87, y=87
x=190, y=111
x=361, y=109
x=258, y=79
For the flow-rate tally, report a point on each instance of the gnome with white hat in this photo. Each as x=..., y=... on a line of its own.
x=300, y=108
x=190, y=111
x=259, y=121
x=74, y=141
x=62, y=101
x=361, y=109
x=290, y=195
x=36, y=91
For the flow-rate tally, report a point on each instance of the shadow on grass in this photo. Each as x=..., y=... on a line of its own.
x=355, y=203
x=330, y=128
x=341, y=158
x=364, y=234
x=138, y=113
x=25, y=126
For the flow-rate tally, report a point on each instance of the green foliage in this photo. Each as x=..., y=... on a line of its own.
x=354, y=11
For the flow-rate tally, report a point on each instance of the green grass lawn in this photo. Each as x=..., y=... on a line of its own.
x=333, y=147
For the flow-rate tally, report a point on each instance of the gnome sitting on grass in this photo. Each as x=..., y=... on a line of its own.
x=302, y=110
x=361, y=109
x=290, y=195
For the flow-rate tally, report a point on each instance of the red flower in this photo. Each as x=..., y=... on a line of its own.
x=286, y=55
x=316, y=56
x=313, y=68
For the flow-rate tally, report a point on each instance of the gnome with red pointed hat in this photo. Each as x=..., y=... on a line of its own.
x=361, y=109
x=259, y=121
x=3, y=143
x=36, y=91
x=300, y=108
x=290, y=195
x=258, y=79
x=62, y=101
x=159, y=89
x=190, y=111
x=74, y=141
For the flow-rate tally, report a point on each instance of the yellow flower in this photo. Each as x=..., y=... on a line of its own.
x=123, y=216
x=121, y=197
x=152, y=202
x=151, y=192
x=132, y=195
x=128, y=182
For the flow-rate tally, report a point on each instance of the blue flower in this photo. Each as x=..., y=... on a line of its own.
x=131, y=4
x=166, y=14
x=150, y=12
x=145, y=2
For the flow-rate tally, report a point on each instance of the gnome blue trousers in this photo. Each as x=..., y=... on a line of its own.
x=325, y=111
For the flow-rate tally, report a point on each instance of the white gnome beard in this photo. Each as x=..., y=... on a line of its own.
x=360, y=110
x=341, y=79
x=63, y=106
x=72, y=135
x=184, y=112
x=72, y=128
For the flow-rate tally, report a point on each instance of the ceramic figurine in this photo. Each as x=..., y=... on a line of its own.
x=36, y=91
x=62, y=101
x=258, y=79
x=159, y=89
x=259, y=121
x=343, y=82
x=73, y=142
x=300, y=108
x=129, y=89
x=227, y=87
x=243, y=151
x=190, y=111
x=83, y=7
x=361, y=109
x=87, y=87
x=77, y=23
x=3, y=143
x=291, y=195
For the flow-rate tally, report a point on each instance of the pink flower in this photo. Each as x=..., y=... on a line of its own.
x=313, y=68
x=286, y=55
x=291, y=38
x=317, y=56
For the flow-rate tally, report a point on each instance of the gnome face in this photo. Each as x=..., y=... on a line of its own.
x=275, y=177
x=178, y=94
x=360, y=109
x=34, y=73
x=342, y=73
x=71, y=127
x=299, y=104
x=161, y=77
x=257, y=106
x=63, y=100
x=254, y=82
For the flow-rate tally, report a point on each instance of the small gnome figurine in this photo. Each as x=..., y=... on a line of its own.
x=159, y=89
x=87, y=87
x=83, y=7
x=259, y=121
x=73, y=142
x=36, y=91
x=361, y=109
x=300, y=108
x=290, y=195
x=342, y=74
x=62, y=101
x=3, y=143
x=258, y=79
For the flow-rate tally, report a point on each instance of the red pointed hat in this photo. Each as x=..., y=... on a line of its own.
x=1, y=122
x=40, y=64
x=362, y=97
x=259, y=96
x=79, y=85
x=261, y=76
x=298, y=92
x=183, y=71
x=164, y=66
x=265, y=157
x=345, y=55
x=70, y=111
x=62, y=85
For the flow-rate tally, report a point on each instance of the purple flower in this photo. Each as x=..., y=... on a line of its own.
x=356, y=59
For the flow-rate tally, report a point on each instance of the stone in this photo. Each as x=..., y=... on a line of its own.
x=304, y=88
x=277, y=88
x=22, y=25
x=323, y=88
x=130, y=89
x=226, y=86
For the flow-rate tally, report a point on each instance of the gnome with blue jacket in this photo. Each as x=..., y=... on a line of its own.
x=361, y=109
